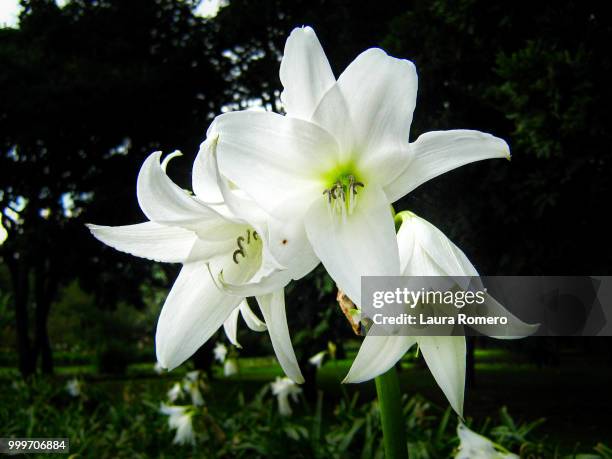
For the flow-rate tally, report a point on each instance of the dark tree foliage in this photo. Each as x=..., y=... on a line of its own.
x=88, y=90
x=536, y=74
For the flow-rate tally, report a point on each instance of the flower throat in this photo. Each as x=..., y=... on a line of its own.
x=341, y=196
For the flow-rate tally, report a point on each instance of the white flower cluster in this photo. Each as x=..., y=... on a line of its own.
x=230, y=364
x=285, y=389
x=180, y=417
x=275, y=195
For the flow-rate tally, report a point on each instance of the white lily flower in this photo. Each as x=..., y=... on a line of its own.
x=180, y=419
x=230, y=367
x=175, y=392
x=220, y=351
x=73, y=387
x=220, y=237
x=475, y=446
x=191, y=385
x=317, y=359
x=284, y=388
x=341, y=155
x=426, y=251
x=192, y=375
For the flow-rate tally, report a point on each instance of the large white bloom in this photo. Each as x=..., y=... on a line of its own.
x=475, y=446
x=341, y=155
x=425, y=251
x=284, y=388
x=180, y=419
x=219, y=236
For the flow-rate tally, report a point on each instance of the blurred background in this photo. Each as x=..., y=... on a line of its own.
x=88, y=88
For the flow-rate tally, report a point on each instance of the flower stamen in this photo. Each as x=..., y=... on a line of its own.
x=341, y=197
x=241, y=249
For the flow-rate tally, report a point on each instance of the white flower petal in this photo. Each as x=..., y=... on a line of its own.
x=445, y=357
x=163, y=201
x=426, y=251
x=443, y=252
x=333, y=115
x=304, y=72
x=209, y=249
x=514, y=329
x=251, y=319
x=437, y=152
x=276, y=160
x=363, y=245
x=376, y=355
x=230, y=327
x=193, y=311
x=237, y=202
x=148, y=240
x=288, y=244
x=381, y=94
x=273, y=309
x=475, y=446
x=268, y=283
x=414, y=261
x=204, y=176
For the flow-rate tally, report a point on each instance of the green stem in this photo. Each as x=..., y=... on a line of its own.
x=390, y=402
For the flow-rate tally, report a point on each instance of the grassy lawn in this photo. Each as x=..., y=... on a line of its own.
x=576, y=408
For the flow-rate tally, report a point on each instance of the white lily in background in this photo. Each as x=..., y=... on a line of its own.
x=341, y=155
x=475, y=446
x=225, y=240
x=317, y=359
x=425, y=251
x=191, y=385
x=230, y=367
x=74, y=387
x=220, y=352
x=284, y=388
x=180, y=419
x=175, y=392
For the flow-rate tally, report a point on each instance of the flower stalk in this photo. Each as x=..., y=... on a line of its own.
x=391, y=417
x=388, y=392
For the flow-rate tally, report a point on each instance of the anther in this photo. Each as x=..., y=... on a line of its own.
x=354, y=184
x=341, y=190
x=240, y=250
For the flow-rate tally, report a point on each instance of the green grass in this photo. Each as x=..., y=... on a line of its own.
x=576, y=407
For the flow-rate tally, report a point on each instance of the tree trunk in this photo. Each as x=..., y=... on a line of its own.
x=20, y=279
x=45, y=288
